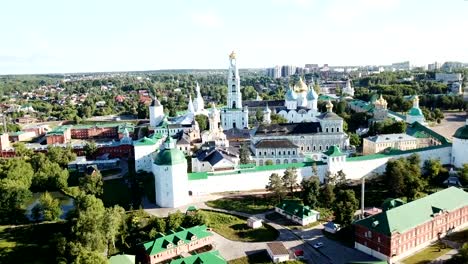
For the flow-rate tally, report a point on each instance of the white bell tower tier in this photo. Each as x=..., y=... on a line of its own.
x=233, y=115
x=156, y=112
x=170, y=176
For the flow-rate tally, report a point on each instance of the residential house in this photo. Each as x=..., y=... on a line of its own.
x=296, y=212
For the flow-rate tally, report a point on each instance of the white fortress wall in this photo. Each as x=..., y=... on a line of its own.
x=354, y=168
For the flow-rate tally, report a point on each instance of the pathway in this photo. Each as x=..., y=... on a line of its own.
x=332, y=252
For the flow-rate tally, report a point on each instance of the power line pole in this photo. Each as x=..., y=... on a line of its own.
x=363, y=184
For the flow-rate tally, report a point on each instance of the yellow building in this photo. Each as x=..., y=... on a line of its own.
x=379, y=143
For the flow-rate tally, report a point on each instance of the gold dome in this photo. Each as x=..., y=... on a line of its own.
x=232, y=56
x=381, y=101
x=300, y=86
x=329, y=106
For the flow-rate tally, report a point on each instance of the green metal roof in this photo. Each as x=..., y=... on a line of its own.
x=122, y=259
x=405, y=217
x=415, y=112
x=162, y=242
x=418, y=127
x=210, y=257
x=144, y=142
x=462, y=132
x=294, y=207
x=249, y=169
x=169, y=157
x=60, y=130
x=334, y=151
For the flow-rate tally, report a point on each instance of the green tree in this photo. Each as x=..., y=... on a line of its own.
x=50, y=176
x=259, y=115
x=431, y=169
x=327, y=196
x=464, y=174
x=354, y=139
x=174, y=220
x=310, y=191
x=198, y=218
x=276, y=185
x=59, y=155
x=87, y=223
x=277, y=119
x=90, y=149
x=92, y=184
x=13, y=195
x=290, y=179
x=114, y=217
x=202, y=121
x=269, y=162
x=48, y=208
x=22, y=151
x=394, y=174
x=244, y=154
x=345, y=206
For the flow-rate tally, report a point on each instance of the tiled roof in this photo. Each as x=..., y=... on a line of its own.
x=413, y=214
x=275, y=143
x=277, y=248
x=162, y=243
x=289, y=129
x=293, y=207
x=210, y=257
x=270, y=103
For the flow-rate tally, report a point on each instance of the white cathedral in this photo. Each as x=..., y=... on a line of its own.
x=308, y=136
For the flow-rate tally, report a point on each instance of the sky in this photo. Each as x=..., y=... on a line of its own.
x=60, y=36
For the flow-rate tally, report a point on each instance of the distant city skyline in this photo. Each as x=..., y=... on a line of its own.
x=54, y=36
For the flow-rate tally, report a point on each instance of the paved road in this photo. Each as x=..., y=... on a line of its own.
x=332, y=252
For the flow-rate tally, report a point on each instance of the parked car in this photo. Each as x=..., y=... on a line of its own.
x=318, y=245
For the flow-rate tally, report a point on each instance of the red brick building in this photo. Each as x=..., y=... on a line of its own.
x=401, y=231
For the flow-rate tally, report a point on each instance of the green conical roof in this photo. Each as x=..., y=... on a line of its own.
x=170, y=155
x=462, y=132
x=415, y=112
x=334, y=151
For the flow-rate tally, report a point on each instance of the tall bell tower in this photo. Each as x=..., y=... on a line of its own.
x=234, y=96
x=234, y=115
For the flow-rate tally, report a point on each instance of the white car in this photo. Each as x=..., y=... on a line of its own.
x=318, y=245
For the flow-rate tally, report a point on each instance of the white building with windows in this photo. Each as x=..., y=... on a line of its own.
x=300, y=104
x=234, y=115
x=293, y=142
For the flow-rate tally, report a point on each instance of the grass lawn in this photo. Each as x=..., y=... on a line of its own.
x=258, y=258
x=251, y=204
x=28, y=244
x=235, y=228
x=116, y=192
x=427, y=255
